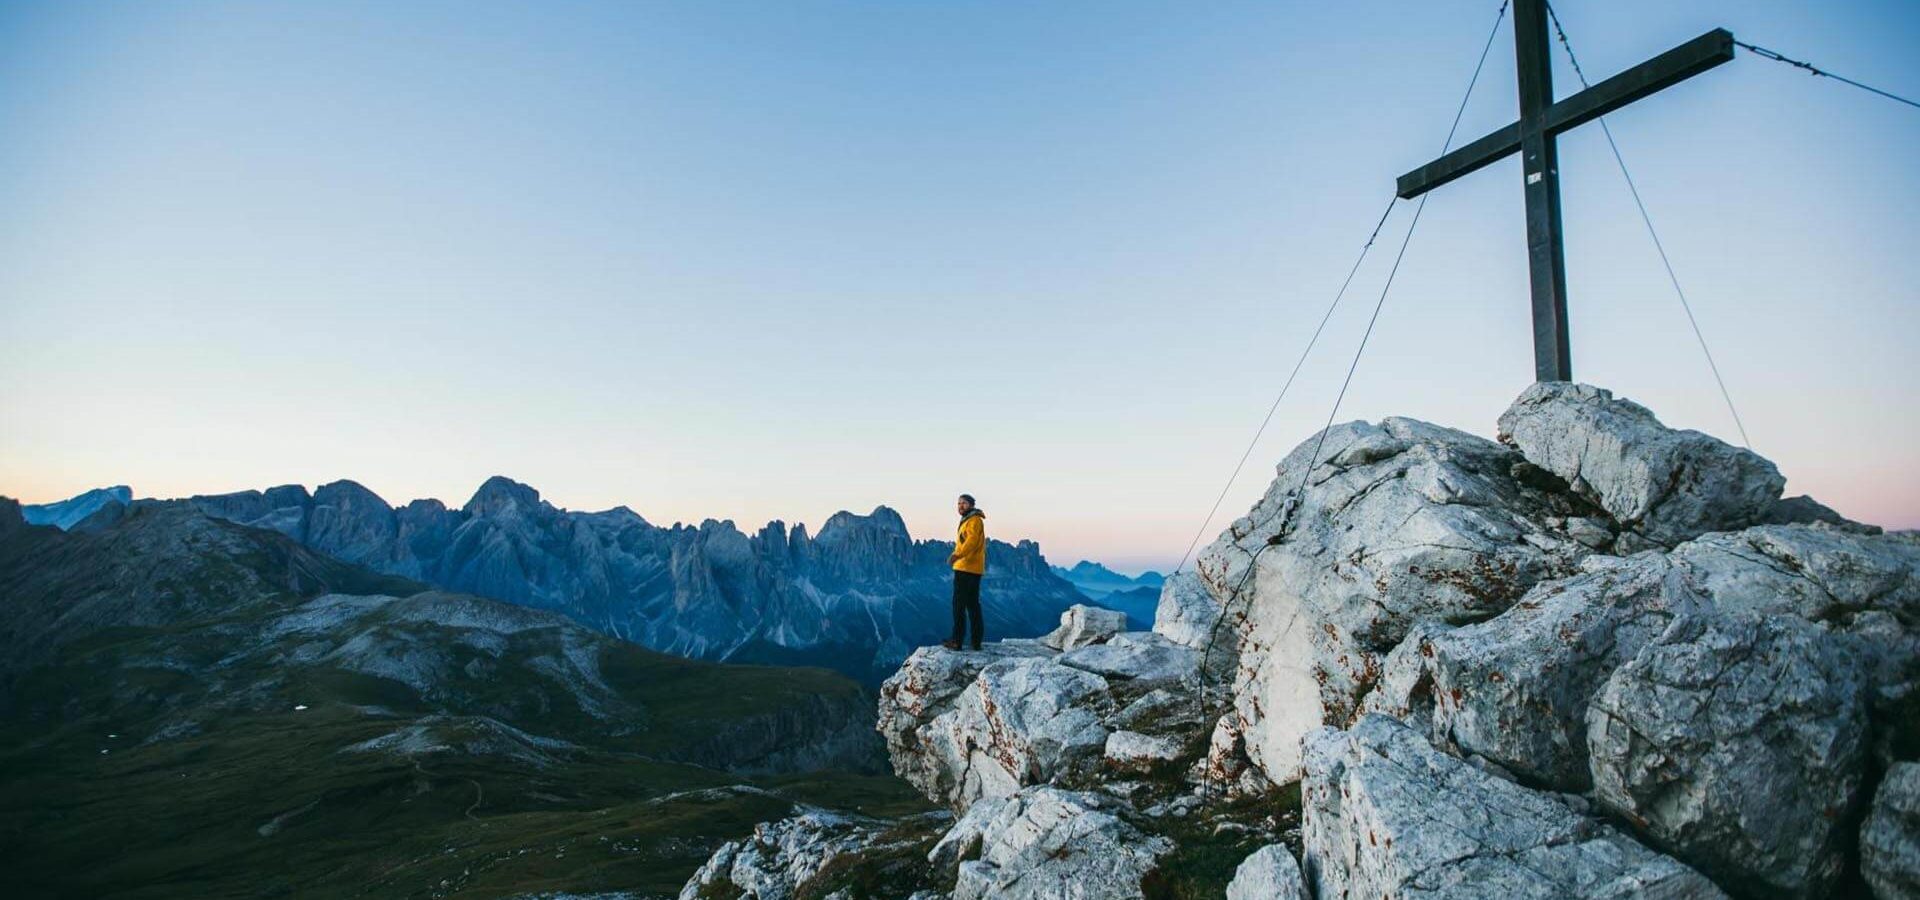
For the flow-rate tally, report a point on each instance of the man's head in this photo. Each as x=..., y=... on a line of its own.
x=965, y=504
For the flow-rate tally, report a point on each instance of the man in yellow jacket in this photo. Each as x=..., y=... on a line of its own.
x=969, y=561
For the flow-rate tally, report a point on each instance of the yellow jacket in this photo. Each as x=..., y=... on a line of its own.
x=970, y=550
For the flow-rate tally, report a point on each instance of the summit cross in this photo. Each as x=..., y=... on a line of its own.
x=1541, y=121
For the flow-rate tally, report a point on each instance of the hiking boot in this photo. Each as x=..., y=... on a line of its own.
x=952, y=645
x=976, y=646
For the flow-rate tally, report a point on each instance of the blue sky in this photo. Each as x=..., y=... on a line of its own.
x=771, y=260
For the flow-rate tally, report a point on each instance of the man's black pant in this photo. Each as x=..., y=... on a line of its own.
x=966, y=604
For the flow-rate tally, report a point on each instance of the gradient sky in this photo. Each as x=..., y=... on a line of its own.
x=772, y=260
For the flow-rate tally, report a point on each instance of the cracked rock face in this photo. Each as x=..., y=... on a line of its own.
x=1399, y=523
x=963, y=726
x=920, y=694
x=1665, y=484
x=1048, y=844
x=1387, y=815
x=1515, y=689
x=1890, y=840
x=1866, y=586
x=1739, y=742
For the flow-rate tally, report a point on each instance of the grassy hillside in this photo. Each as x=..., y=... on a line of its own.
x=187, y=710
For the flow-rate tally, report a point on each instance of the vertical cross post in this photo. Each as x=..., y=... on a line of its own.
x=1540, y=161
x=1532, y=137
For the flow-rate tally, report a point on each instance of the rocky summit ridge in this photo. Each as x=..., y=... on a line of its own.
x=858, y=596
x=1597, y=657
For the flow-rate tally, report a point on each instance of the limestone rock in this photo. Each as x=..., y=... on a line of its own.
x=1132, y=751
x=1668, y=485
x=962, y=726
x=1738, y=742
x=1405, y=690
x=923, y=692
x=1890, y=840
x=1082, y=625
x=1387, y=815
x=1142, y=657
x=779, y=857
x=1269, y=874
x=1187, y=615
x=1398, y=523
x=1514, y=689
x=1049, y=844
x=1866, y=586
x=790, y=858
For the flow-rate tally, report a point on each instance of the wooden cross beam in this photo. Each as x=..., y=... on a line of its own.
x=1541, y=120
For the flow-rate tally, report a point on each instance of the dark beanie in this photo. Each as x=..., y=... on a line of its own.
x=969, y=499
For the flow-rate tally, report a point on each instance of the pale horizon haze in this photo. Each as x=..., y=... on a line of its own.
x=759, y=261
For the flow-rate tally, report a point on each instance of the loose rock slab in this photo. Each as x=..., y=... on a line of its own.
x=1387, y=815
x=1081, y=625
x=1667, y=484
x=1142, y=657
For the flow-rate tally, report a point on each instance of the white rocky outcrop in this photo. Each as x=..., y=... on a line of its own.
x=1393, y=525
x=1049, y=844
x=1021, y=722
x=1599, y=660
x=1666, y=485
x=1387, y=815
x=794, y=857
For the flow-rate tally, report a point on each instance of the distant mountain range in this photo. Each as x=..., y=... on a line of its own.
x=1136, y=596
x=858, y=596
x=72, y=511
x=189, y=706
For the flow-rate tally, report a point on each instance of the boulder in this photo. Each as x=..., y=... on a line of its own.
x=1044, y=843
x=1082, y=625
x=1020, y=722
x=1866, y=586
x=921, y=692
x=1269, y=874
x=779, y=857
x=1890, y=839
x=817, y=851
x=1189, y=616
x=1668, y=485
x=1737, y=741
x=1142, y=657
x=1514, y=689
x=1395, y=524
x=1131, y=751
x=1387, y=815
